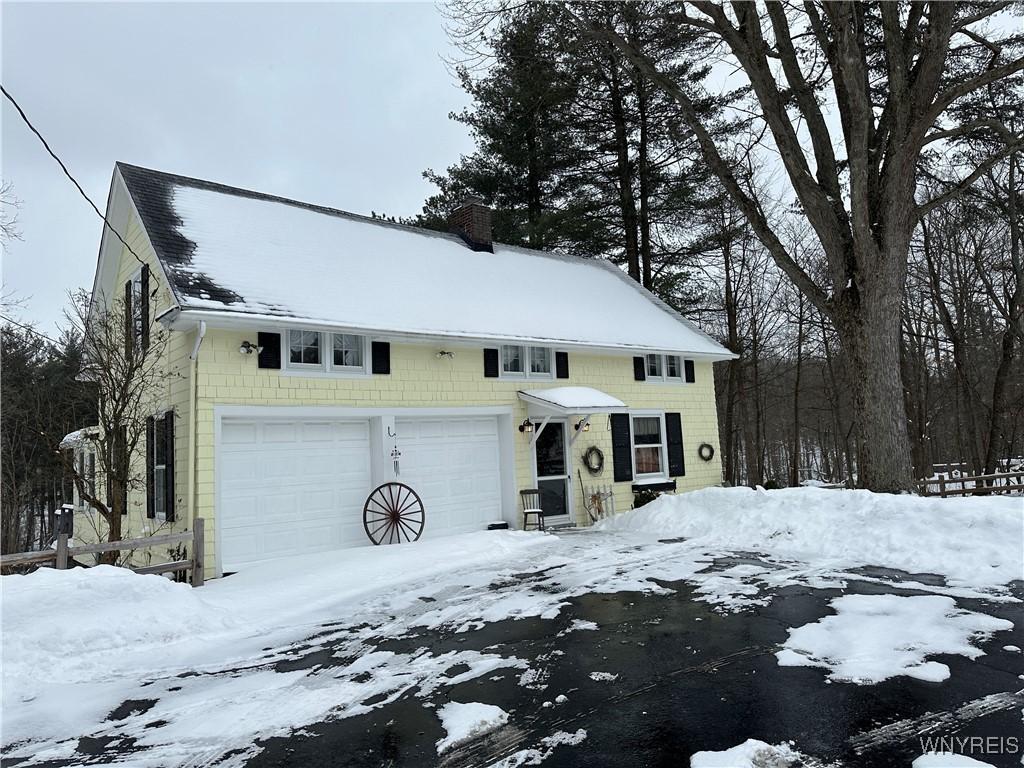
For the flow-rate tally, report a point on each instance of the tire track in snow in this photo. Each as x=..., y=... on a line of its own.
x=930, y=723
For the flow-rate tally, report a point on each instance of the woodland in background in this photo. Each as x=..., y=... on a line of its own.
x=584, y=143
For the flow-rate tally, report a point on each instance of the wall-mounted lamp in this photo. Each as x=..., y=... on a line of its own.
x=445, y=353
x=526, y=426
x=583, y=424
x=247, y=348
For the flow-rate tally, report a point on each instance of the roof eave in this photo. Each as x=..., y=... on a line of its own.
x=183, y=318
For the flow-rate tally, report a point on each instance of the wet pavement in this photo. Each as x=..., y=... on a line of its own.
x=681, y=677
x=688, y=679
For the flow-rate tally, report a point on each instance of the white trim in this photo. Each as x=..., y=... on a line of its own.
x=649, y=477
x=526, y=372
x=569, y=501
x=182, y=319
x=325, y=368
x=664, y=378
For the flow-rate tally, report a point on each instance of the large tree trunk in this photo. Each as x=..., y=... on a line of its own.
x=871, y=340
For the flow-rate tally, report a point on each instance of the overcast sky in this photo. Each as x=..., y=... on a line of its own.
x=339, y=104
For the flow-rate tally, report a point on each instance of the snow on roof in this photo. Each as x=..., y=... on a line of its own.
x=233, y=251
x=573, y=399
x=79, y=437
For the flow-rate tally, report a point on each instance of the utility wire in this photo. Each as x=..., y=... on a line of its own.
x=30, y=329
x=67, y=173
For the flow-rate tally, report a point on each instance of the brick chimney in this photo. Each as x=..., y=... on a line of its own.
x=472, y=222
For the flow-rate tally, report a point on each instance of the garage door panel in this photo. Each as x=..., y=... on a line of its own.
x=453, y=465
x=290, y=487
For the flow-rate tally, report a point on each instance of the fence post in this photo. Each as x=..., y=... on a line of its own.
x=62, y=552
x=198, y=548
x=942, y=486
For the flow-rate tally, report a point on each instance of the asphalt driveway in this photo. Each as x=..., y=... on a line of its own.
x=650, y=676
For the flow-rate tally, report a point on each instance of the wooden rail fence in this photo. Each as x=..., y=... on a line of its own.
x=979, y=484
x=62, y=555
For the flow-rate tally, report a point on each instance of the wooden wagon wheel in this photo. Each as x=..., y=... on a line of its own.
x=393, y=514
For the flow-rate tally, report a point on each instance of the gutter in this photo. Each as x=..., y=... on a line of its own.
x=182, y=319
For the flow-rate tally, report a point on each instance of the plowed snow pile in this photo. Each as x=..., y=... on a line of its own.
x=975, y=541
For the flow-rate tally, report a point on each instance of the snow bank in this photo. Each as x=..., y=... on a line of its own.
x=977, y=541
x=750, y=754
x=874, y=637
x=464, y=721
x=69, y=623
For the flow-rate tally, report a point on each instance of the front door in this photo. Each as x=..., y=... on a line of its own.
x=553, y=473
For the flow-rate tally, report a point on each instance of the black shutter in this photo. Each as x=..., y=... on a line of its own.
x=562, y=365
x=674, y=440
x=491, y=363
x=144, y=309
x=129, y=324
x=270, y=350
x=380, y=357
x=150, y=463
x=121, y=454
x=640, y=368
x=688, y=367
x=622, y=459
x=168, y=489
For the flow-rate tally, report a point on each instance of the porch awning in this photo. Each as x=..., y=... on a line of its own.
x=571, y=401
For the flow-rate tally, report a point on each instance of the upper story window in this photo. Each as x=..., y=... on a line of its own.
x=304, y=349
x=327, y=352
x=136, y=308
x=668, y=368
x=648, y=446
x=348, y=350
x=531, y=362
x=85, y=459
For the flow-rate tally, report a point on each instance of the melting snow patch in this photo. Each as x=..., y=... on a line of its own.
x=542, y=752
x=874, y=637
x=948, y=760
x=462, y=722
x=750, y=754
x=1012, y=648
x=603, y=677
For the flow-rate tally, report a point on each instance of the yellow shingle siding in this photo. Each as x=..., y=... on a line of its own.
x=172, y=392
x=420, y=379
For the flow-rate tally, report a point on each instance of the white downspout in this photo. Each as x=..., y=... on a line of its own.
x=193, y=411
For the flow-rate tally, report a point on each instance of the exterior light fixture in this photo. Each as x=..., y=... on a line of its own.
x=445, y=353
x=247, y=348
x=526, y=426
x=583, y=424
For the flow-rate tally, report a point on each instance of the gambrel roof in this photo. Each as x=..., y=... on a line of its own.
x=235, y=254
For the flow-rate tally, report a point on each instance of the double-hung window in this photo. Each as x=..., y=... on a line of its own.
x=304, y=349
x=648, y=446
x=348, y=352
x=664, y=368
x=526, y=362
x=323, y=352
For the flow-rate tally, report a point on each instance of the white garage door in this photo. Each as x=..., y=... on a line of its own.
x=290, y=487
x=453, y=465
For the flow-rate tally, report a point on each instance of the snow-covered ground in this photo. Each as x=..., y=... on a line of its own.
x=210, y=666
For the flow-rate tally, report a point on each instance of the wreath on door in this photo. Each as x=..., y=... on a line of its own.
x=593, y=460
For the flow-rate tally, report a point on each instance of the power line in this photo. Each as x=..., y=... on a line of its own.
x=30, y=329
x=67, y=173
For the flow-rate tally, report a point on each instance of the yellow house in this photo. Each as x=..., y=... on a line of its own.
x=314, y=355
